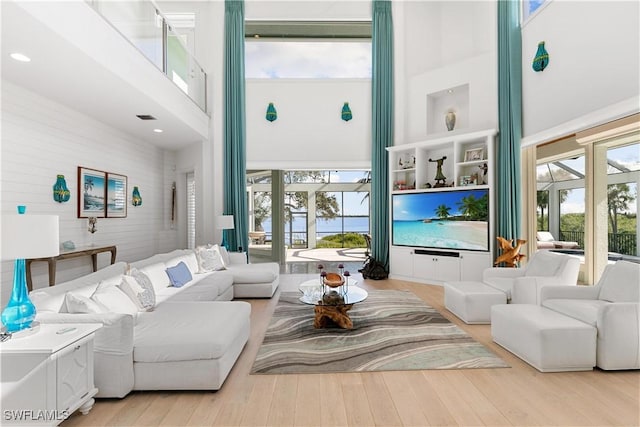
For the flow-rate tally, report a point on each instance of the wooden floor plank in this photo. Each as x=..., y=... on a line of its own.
x=357, y=408
x=185, y=403
x=381, y=402
x=407, y=404
x=332, y=408
x=307, y=407
x=283, y=403
x=206, y=411
x=157, y=410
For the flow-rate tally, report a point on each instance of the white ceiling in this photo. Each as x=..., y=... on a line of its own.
x=62, y=72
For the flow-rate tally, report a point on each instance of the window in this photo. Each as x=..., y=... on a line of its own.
x=191, y=210
x=307, y=49
x=530, y=7
x=307, y=59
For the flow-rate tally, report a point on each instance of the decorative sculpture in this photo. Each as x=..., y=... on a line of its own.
x=510, y=255
x=439, y=175
x=272, y=114
x=346, y=112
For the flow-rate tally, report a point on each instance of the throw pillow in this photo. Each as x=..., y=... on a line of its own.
x=226, y=259
x=113, y=299
x=179, y=274
x=79, y=304
x=209, y=259
x=136, y=293
x=147, y=298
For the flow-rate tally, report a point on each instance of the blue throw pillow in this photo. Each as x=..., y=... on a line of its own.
x=179, y=274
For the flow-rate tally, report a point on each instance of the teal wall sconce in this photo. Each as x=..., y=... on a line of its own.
x=60, y=191
x=541, y=60
x=272, y=114
x=136, y=199
x=346, y=112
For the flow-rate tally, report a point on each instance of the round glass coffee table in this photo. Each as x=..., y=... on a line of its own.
x=332, y=313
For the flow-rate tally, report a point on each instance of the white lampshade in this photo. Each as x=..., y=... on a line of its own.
x=225, y=222
x=29, y=236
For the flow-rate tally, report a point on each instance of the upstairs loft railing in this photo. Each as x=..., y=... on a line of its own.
x=144, y=26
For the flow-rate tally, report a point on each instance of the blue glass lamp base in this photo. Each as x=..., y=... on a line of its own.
x=224, y=241
x=20, y=311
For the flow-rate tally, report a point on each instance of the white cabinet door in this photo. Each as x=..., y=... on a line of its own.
x=73, y=374
x=401, y=261
x=473, y=264
x=448, y=269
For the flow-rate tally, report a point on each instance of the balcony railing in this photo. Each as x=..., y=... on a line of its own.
x=144, y=26
x=622, y=243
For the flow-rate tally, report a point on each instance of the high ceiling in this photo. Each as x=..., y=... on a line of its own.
x=64, y=73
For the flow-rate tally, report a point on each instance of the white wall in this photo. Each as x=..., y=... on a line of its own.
x=593, y=62
x=309, y=131
x=441, y=45
x=41, y=139
x=319, y=10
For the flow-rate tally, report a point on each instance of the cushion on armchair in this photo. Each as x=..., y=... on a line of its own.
x=616, y=284
x=544, y=264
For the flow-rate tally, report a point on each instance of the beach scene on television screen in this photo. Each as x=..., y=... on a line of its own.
x=447, y=219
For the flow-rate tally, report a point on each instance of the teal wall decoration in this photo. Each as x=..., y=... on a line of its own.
x=136, y=199
x=272, y=114
x=346, y=112
x=60, y=191
x=541, y=59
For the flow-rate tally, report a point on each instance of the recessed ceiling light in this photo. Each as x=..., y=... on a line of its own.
x=450, y=91
x=20, y=57
x=158, y=130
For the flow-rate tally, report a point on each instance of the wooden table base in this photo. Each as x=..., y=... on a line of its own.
x=327, y=315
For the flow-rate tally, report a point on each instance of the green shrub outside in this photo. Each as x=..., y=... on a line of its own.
x=347, y=240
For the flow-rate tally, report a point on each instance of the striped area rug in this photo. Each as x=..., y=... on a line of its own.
x=392, y=330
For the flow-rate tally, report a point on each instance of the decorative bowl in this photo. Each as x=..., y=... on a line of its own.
x=333, y=280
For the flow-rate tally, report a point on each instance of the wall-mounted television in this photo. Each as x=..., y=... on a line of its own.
x=454, y=219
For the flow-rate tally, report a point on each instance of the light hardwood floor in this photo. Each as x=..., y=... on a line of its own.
x=519, y=395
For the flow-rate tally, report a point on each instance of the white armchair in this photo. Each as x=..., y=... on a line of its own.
x=523, y=285
x=612, y=306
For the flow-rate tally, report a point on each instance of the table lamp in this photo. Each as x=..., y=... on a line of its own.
x=25, y=236
x=225, y=222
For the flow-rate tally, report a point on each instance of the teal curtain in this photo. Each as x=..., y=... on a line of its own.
x=509, y=119
x=235, y=198
x=382, y=132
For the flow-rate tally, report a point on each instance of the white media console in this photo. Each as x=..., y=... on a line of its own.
x=467, y=163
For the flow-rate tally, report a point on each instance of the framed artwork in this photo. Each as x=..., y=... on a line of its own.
x=91, y=193
x=474, y=154
x=116, y=196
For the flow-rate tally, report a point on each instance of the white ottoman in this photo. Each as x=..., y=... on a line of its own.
x=545, y=339
x=472, y=301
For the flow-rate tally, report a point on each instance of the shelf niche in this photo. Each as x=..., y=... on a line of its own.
x=439, y=103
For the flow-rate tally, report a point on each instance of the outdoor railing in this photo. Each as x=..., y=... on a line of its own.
x=144, y=26
x=622, y=243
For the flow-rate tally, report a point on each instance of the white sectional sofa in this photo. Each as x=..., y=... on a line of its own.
x=189, y=340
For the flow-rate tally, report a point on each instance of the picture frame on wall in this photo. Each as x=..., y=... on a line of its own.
x=474, y=154
x=116, y=196
x=91, y=193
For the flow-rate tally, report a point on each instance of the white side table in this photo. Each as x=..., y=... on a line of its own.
x=48, y=375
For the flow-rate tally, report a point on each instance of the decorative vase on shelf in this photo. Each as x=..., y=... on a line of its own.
x=450, y=120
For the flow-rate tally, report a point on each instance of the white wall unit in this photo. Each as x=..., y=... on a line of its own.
x=469, y=163
x=48, y=375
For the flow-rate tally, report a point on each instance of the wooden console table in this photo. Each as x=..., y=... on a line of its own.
x=93, y=251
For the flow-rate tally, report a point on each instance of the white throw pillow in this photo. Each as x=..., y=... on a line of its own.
x=226, y=259
x=144, y=299
x=79, y=304
x=209, y=259
x=158, y=276
x=113, y=299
